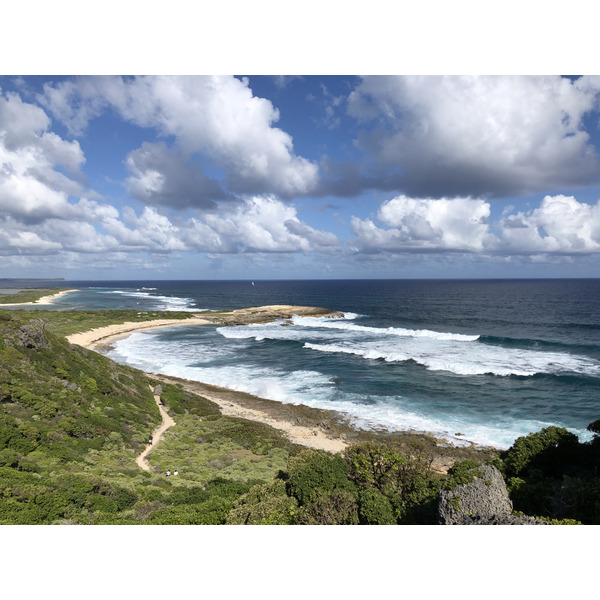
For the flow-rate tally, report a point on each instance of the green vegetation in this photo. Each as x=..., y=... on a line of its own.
x=552, y=475
x=72, y=423
x=68, y=322
x=32, y=295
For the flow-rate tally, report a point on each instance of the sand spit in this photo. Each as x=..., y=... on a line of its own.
x=94, y=339
x=50, y=299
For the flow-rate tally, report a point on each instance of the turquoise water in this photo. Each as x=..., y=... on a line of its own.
x=490, y=360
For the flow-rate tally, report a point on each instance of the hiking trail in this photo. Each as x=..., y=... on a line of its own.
x=156, y=434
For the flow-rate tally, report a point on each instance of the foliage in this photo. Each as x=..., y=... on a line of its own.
x=337, y=507
x=545, y=449
x=552, y=475
x=375, y=508
x=265, y=504
x=376, y=465
x=462, y=472
x=313, y=473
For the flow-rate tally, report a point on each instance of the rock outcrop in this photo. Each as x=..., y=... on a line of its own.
x=32, y=335
x=483, y=501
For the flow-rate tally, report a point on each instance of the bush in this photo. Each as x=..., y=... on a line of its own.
x=265, y=504
x=9, y=458
x=338, y=507
x=546, y=449
x=212, y=512
x=461, y=472
x=374, y=508
x=376, y=465
x=312, y=473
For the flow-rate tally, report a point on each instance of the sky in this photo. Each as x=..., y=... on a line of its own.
x=309, y=176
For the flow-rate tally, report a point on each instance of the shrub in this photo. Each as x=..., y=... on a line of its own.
x=544, y=449
x=374, y=508
x=376, y=465
x=338, y=507
x=265, y=504
x=212, y=512
x=462, y=472
x=9, y=458
x=312, y=473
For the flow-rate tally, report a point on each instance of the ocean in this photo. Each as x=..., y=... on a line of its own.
x=481, y=361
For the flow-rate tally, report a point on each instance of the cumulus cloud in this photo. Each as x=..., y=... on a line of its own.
x=475, y=136
x=162, y=176
x=260, y=224
x=217, y=117
x=32, y=160
x=560, y=225
x=425, y=225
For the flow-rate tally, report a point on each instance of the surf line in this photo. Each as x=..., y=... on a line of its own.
x=156, y=434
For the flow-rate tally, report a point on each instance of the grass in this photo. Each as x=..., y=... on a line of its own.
x=68, y=322
x=32, y=295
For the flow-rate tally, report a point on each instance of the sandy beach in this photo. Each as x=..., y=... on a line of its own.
x=95, y=339
x=50, y=299
x=310, y=436
x=102, y=336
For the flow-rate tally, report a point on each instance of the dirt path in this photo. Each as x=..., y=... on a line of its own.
x=156, y=434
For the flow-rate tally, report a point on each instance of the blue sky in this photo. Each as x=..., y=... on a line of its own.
x=301, y=176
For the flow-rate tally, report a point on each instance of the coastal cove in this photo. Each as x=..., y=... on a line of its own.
x=443, y=357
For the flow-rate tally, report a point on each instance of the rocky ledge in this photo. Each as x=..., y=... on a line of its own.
x=266, y=314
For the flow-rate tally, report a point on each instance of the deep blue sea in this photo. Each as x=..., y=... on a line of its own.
x=489, y=359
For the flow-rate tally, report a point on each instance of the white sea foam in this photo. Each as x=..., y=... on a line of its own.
x=396, y=331
x=312, y=388
x=480, y=359
x=229, y=363
x=166, y=303
x=437, y=351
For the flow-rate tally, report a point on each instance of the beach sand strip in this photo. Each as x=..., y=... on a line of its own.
x=50, y=299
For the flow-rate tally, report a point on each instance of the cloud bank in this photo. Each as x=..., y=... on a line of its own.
x=475, y=136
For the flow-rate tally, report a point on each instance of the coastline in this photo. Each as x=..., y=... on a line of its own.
x=100, y=337
x=50, y=299
x=310, y=427
x=96, y=339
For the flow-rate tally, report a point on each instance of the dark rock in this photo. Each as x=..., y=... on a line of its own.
x=32, y=335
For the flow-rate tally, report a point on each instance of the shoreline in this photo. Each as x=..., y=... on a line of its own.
x=50, y=299
x=96, y=339
x=315, y=428
x=93, y=339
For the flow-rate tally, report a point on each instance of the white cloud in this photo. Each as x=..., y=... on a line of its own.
x=31, y=182
x=425, y=224
x=560, y=224
x=260, y=224
x=475, y=136
x=218, y=117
